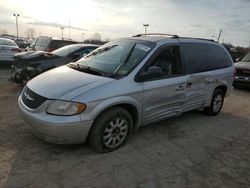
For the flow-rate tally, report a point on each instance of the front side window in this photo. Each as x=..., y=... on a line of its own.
x=169, y=61
x=84, y=51
x=118, y=57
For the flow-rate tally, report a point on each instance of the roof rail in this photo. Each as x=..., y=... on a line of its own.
x=198, y=39
x=150, y=34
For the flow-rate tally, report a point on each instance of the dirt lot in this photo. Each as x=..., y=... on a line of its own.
x=192, y=150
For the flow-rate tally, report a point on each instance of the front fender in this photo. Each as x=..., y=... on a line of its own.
x=104, y=105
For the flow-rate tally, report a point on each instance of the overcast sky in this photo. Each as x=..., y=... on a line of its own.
x=115, y=18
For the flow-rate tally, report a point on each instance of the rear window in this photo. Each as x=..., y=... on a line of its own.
x=204, y=57
x=42, y=42
x=7, y=42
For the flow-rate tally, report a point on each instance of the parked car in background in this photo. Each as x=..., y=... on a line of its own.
x=49, y=44
x=31, y=45
x=29, y=64
x=125, y=84
x=22, y=43
x=242, y=77
x=8, y=48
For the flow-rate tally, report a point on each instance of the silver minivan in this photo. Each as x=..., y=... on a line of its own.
x=125, y=84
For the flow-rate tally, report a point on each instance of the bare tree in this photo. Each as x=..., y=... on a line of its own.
x=30, y=33
x=97, y=36
x=3, y=32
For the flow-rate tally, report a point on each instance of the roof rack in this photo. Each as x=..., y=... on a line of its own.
x=172, y=36
x=150, y=34
x=198, y=38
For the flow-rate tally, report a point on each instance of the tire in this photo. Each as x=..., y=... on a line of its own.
x=110, y=130
x=216, y=103
x=235, y=85
x=18, y=78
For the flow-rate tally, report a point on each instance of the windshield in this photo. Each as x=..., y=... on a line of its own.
x=66, y=50
x=117, y=57
x=246, y=58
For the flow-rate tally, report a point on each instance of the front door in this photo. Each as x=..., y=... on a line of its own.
x=164, y=96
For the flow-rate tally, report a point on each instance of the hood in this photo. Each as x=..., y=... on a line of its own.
x=33, y=56
x=243, y=65
x=28, y=55
x=65, y=83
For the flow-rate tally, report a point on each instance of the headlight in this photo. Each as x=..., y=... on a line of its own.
x=66, y=108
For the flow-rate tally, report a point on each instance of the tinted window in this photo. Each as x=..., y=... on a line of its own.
x=55, y=44
x=204, y=57
x=221, y=59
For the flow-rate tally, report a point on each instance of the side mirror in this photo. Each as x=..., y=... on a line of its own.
x=152, y=72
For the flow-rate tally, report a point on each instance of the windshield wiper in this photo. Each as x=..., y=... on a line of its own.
x=89, y=70
x=126, y=60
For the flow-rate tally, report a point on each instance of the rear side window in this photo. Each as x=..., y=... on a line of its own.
x=204, y=57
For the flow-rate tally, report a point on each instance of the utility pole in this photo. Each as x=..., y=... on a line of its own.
x=219, y=36
x=69, y=30
x=62, y=31
x=145, y=25
x=16, y=15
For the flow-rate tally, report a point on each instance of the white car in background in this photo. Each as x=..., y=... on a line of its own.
x=8, y=48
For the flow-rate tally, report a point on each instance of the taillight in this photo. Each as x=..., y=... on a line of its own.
x=16, y=50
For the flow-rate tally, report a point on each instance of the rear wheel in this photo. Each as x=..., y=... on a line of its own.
x=216, y=103
x=110, y=131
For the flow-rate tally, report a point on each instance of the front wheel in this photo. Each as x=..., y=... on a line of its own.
x=18, y=78
x=110, y=131
x=216, y=103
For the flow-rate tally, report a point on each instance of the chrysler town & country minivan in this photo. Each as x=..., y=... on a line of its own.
x=125, y=84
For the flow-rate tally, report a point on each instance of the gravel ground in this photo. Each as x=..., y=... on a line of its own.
x=192, y=150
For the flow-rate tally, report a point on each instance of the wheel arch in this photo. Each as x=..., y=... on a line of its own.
x=128, y=103
x=223, y=88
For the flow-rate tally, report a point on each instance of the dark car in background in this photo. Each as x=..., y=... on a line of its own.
x=31, y=45
x=22, y=43
x=29, y=64
x=49, y=44
x=242, y=77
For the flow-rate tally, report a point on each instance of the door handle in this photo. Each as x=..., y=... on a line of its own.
x=180, y=87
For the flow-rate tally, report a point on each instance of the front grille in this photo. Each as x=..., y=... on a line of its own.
x=32, y=99
x=242, y=72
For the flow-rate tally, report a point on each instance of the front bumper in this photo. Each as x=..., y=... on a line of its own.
x=59, y=130
x=242, y=80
